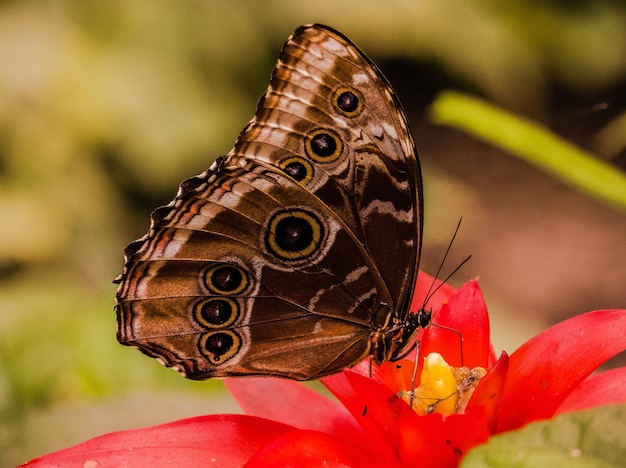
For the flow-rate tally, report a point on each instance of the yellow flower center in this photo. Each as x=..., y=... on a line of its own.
x=443, y=389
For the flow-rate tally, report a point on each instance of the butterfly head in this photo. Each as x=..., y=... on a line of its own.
x=395, y=342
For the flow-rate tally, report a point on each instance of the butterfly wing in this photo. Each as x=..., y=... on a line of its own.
x=331, y=120
x=289, y=255
x=247, y=273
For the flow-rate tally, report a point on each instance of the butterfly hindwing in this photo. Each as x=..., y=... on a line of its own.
x=217, y=290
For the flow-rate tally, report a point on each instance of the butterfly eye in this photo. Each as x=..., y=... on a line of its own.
x=323, y=146
x=297, y=168
x=293, y=234
x=225, y=280
x=348, y=101
x=219, y=346
x=424, y=318
x=216, y=312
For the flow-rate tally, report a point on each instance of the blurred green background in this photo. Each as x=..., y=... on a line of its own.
x=105, y=106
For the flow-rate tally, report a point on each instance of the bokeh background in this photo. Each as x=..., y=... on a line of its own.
x=105, y=106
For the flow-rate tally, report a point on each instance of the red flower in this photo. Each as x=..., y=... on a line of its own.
x=286, y=423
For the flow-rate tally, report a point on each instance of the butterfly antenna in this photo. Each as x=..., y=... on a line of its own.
x=432, y=292
x=429, y=295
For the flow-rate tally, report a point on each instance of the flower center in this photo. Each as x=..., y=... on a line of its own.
x=443, y=389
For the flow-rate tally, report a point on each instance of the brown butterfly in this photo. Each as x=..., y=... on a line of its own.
x=296, y=254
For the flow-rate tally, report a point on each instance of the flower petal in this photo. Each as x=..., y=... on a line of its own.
x=441, y=442
x=222, y=440
x=547, y=368
x=605, y=388
x=375, y=408
x=293, y=403
x=488, y=393
x=309, y=449
x=465, y=313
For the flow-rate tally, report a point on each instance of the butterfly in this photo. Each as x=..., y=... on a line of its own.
x=295, y=254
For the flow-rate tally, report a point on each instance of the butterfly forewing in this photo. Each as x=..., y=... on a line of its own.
x=324, y=86
x=295, y=255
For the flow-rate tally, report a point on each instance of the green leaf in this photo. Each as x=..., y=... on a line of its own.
x=534, y=144
x=592, y=438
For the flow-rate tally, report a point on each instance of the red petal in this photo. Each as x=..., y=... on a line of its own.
x=397, y=376
x=466, y=313
x=309, y=449
x=605, y=388
x=292, y=403
x=488, y=393
x=220, y=440
x=547, y=368
x=375, y=408
x=441, y=442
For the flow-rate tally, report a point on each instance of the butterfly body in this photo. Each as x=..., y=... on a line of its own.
x=295, y=254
